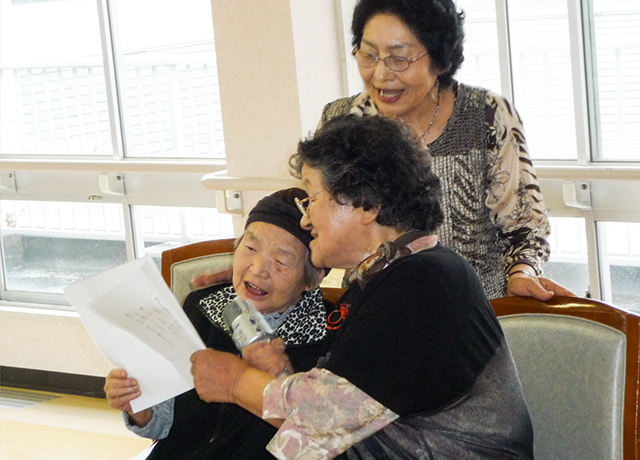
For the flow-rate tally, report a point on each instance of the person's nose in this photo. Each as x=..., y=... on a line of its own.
x=260, y=266
x=381, y=72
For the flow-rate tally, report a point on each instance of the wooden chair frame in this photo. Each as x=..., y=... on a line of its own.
x=191, y=251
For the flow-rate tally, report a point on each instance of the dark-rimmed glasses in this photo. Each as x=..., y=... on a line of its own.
x=391, y=62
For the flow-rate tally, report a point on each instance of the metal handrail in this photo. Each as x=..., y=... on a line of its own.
x=609, y=172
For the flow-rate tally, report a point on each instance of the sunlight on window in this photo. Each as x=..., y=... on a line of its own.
x=48, y=245
x=52, y=85
x=620, y=260
x=617, y=57
x=481, y=66
x=568, y=262
x=158, y=228
x=542, y=78
x=169, y=79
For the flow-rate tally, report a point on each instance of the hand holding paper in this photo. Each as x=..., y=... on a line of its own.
x=140, y=327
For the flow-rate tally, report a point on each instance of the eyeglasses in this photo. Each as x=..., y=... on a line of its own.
x=394, y=63
x=304, y=204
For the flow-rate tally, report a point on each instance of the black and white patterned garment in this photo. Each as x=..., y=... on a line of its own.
x=304, y=322
x=495, y=216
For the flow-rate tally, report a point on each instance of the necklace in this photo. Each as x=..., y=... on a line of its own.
x=435, y=114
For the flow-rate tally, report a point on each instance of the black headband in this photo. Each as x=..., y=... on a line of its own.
x=280, y=209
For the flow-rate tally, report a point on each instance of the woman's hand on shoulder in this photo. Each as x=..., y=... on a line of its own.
x=210, y=279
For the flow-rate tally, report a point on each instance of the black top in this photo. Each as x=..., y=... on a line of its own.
x=436, y=331
x=422, y=339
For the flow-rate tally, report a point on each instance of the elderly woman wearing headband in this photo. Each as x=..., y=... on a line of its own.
x=416, y=364
x=272, y=270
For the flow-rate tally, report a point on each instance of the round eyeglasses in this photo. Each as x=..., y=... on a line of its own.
x=304, y=204
x=391, y=62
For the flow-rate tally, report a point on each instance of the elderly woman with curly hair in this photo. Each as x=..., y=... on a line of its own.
x=415, y=364
x=408, y=52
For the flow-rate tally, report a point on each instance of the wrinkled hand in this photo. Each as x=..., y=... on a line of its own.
x=535, y=286
x=268, y=356
x=120, y=391
x=215, y=374
x=213, y=278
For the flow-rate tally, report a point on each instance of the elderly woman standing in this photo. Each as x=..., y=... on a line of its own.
x=272, y=270
x=494, y=214
x=416, y=364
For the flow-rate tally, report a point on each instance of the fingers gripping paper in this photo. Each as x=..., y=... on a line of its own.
x=140, y=327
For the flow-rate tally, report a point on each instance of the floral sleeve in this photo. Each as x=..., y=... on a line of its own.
x=325, y=415
x=514, y=198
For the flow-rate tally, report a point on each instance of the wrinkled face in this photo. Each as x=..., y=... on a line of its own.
x=268, y=268
x=395, y=94
x=338, y=239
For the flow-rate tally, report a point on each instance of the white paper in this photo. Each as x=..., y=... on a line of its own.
x=140, y=327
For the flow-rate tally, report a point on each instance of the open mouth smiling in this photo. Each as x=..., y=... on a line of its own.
x=390, y=95
x=254, y=290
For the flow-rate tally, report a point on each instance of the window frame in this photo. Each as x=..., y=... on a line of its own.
x=604, y=178
x=81, y=176
x=143, y=178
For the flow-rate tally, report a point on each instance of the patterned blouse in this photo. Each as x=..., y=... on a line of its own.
x=495, y=216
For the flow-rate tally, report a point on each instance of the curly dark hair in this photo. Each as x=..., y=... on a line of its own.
x=435, y=23
x=375, y=163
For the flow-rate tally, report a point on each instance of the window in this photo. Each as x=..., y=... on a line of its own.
x=568, y=263
x=162, y=227
x=530, y=51
x=54, y=94
x=542, y=76
x=120, y=125
x=592, y=254
x=106, y=81
x=620, y=256
x=48, y=245
x=170, y=93
x=616, y=56
x=481, y=65
x=58, y=98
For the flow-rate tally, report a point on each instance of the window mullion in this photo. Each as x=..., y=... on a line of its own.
x=580, y=46
x=504, y=49
x=595, y=280
x=108, y=34
x=352, y=83
x=109, y=52
x=128, y=230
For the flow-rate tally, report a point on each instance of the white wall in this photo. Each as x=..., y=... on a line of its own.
x=49, y=341
x=274, y=78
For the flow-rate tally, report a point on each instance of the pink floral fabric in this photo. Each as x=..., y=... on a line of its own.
x=325, y=415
